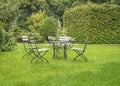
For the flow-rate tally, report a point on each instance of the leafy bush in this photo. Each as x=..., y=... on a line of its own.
x=100, y=22
x=18, y=33
x=48, y=27
x=34, y=22
x=9, y=42
x=2, y=36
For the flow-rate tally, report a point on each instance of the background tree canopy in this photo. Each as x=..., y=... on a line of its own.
x=29, y=16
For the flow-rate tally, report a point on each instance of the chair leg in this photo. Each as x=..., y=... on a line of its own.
x=81, y=55
x=32, y=59
x=75, y=58
x=38, y=59
x=46, y=60
x=41, y=56
x=25, y=55
x=78, y=54
x=84, y=57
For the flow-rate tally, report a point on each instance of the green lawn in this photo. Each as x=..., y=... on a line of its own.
x=102, y=68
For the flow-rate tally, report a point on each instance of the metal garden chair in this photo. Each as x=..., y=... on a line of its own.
x=80, y=51
x=26, y=46
x=38, y=52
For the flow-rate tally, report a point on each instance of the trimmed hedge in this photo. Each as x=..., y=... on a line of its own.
x=2, y=36
x=100, y=22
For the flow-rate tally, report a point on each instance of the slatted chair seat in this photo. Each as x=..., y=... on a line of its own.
x=43, y=49
x=80, y=49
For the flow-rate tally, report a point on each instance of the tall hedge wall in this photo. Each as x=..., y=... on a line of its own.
x=100, y=22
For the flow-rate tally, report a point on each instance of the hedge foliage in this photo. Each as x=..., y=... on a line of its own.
x=100, y=22
x=7, y=40
x=2, y=36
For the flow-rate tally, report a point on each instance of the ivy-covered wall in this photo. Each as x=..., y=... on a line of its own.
x=100, y=22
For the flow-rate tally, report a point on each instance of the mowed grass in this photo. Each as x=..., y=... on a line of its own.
x=102, y=68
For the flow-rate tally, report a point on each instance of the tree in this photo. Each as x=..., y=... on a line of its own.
x=48, y=27
x=8, y=11
x=26, y=8
x=35, y=20
x=58, y=7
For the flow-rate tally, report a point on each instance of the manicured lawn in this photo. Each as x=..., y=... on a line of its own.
x=102, y=68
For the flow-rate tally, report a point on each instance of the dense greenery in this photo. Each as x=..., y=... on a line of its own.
x=21, y=10
x=2, y=36
x=7, y=41
x=25, y=16
x=35, y=20
x=100, y=22
x=48, y=27
x=102, y=68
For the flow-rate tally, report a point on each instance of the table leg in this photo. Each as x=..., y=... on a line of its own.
x=54, y=52
x=65, y=51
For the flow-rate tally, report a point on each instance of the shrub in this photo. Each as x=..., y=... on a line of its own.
x=2, y=36
x=35, y=20
x=100, y=22
x=48, y=27
x=9, y=42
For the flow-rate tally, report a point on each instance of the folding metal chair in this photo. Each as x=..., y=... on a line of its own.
x=80, y=51
x=26, y=46
x=39, y=53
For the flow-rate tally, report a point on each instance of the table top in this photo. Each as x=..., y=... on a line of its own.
x=58, y=42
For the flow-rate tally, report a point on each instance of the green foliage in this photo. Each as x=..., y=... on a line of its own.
x=39, y=38
x=26, y=8
x=34, y=22
x=48, y=27
x=100, y=22
x=8, y=13
x=9, y=42
x=114, y=2
x=2, y=36
x=14, y=12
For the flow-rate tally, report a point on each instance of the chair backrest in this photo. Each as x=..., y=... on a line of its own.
x=25, y=42
x=25, y=38
x=33, y=43
x=64, y=38
x=51, y=38
x=85, y=44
